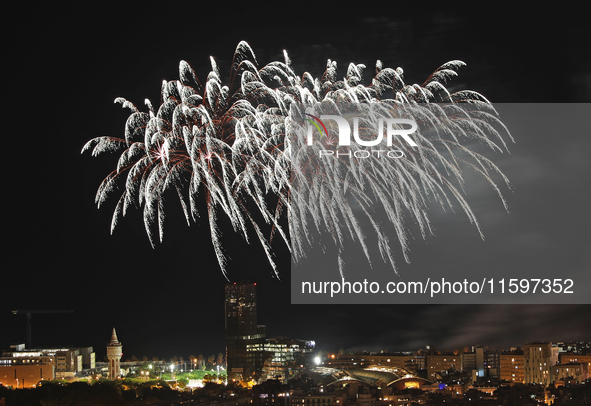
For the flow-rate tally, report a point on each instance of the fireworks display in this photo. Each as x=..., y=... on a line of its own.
x=232, y=145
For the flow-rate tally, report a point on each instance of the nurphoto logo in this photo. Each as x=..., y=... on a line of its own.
x=369, y=136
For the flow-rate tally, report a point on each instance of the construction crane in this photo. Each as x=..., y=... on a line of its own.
x=28, y=313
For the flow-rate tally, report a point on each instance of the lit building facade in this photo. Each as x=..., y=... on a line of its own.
x=25, y=376
x=485, y=362
x=578, y=372
x=439, y=364
x=315, y=399
x=66, y=362
x=280, y=355
x=512, y=368
x=88, y=357
x=469, y=361
x=569, y=357
x=114, y=353
x=18, y=355
x=241, y=330
x=492, y=363
x=474, y=361
x=539, y=358
x=396, y=360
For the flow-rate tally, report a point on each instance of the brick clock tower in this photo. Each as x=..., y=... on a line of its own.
x=114, y=354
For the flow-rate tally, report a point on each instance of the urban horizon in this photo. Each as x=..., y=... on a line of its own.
x=256, y=366
x=387, y=337
x=160, y=282
x=321, y=350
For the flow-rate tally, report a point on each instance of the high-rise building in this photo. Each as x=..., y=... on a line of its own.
x=474, y=361
x=485, y=362
x=114, y=353
x=512, y=366
x=242, y=329
x=492, y=363
x=538, y=359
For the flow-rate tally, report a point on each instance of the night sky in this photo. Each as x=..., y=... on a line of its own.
x=64, y=66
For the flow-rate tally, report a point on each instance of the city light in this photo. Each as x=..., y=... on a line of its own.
x=447, y=373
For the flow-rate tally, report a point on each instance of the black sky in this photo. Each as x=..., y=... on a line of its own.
x=64, y=66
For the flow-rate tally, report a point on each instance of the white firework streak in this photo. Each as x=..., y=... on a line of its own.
x=231, y=144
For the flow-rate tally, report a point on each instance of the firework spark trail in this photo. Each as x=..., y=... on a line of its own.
x=231, y=143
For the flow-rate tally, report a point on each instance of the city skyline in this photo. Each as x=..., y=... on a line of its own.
x=253, y=357
x=168, y=300
x=399, y=331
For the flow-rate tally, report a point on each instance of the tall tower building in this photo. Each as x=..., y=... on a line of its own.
x=114, y=354
x=538, y=360
x=242, y=329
